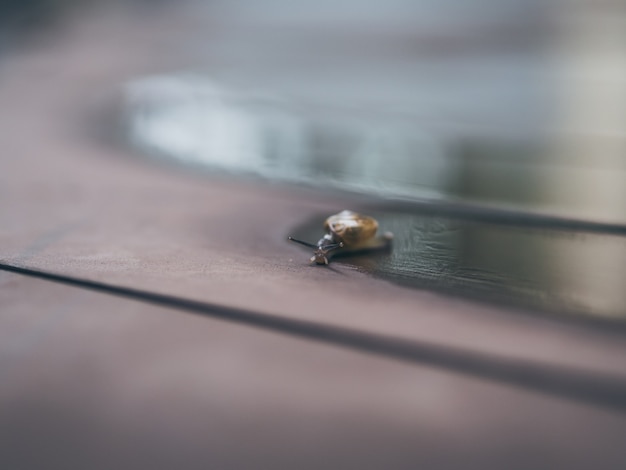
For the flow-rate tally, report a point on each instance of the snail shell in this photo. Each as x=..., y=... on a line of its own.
x=350, y=228
x=347, y=232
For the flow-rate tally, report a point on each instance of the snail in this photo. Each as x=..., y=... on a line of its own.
x=347, y=232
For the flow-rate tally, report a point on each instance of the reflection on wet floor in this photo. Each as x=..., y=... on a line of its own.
x=193, y=120
x=549, y=269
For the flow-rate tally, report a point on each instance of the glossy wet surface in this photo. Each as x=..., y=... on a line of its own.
x=557, y=270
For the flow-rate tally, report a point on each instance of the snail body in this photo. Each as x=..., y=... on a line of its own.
x=347, y=232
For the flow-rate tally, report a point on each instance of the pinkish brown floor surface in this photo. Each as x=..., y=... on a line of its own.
x=250, y=358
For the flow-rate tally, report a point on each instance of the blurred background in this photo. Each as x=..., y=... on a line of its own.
x=515, y=102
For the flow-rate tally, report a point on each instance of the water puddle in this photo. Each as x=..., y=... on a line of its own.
x=194, y=121
x=572, y=272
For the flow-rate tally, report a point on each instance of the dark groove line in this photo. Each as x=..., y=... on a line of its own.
x=582, y=386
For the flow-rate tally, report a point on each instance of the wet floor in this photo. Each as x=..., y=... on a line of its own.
x=531, y=227
x=550, y=269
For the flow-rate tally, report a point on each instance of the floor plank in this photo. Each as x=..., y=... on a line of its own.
x=93, y=380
